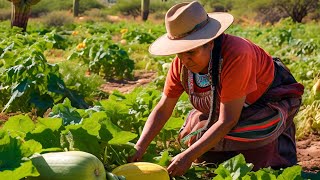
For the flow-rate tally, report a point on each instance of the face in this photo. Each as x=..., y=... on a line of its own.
x=197, y=60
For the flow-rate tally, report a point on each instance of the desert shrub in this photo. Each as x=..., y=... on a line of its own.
x=46, y=6
x=5, y=4
x=95, y=15
x=58, y=18
x=128, y=7
x=5, y=14
x=160, y=6
x=133, y=7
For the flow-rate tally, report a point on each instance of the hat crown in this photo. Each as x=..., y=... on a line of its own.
x=183, y=18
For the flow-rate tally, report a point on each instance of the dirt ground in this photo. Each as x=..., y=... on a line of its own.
x=308, y=151
x=126, y=86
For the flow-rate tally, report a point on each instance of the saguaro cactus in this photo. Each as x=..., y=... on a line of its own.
x=20, y=12
x=145, y=9
x=76, y=8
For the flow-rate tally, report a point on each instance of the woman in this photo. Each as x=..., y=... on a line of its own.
x=244, y=100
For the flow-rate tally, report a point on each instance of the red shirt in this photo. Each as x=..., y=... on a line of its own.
x=247, y=70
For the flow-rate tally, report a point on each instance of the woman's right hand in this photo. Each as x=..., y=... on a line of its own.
x=137, y=156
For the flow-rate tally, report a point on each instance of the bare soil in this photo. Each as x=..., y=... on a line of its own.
x=126, y=86
x=308, y=151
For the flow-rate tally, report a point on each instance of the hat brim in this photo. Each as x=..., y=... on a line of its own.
x=218, y=23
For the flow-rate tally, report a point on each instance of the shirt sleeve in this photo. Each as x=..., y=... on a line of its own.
x=173, y=87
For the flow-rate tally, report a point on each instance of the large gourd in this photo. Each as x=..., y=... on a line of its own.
x=71, y=165
x=142, y=171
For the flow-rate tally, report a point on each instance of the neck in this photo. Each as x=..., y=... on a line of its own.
x=203, y=73
x=205, y=70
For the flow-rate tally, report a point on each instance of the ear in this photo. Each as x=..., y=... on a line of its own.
x=210, y=45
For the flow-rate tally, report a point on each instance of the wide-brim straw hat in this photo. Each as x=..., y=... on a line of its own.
x=189, y=26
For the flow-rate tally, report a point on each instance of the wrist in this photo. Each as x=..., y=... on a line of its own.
x=191, y=154
x=140, y=146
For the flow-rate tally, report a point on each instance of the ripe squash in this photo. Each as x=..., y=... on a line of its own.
x=142, y=171
x=71, y=165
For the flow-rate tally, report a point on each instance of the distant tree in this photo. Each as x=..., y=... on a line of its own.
x=20, y=12
x=145, y=9
x=76, y=8
x=273, y=10
x=297, y=9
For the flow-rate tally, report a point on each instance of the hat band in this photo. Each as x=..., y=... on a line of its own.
x=196, y=28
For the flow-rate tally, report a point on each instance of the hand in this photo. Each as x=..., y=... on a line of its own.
x=137, y=155
x=179, y=165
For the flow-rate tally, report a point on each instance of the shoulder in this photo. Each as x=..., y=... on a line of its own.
x=234, y=47
x=236, y=44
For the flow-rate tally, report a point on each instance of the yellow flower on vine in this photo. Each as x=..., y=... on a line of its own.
x=74, y=33
x=123, y=31
x=80, y=46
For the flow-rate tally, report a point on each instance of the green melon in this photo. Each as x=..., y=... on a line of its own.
x=71, y=165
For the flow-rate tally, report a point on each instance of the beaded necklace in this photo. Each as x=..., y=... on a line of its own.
x=202, y=80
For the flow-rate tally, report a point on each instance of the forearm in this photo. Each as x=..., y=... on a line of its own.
x=156, y=120
x=209, y=139
x=228, y=118
x=152, y=127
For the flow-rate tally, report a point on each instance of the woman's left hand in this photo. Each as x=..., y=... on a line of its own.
x=179, y=164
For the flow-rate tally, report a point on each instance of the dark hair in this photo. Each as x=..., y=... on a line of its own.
x=206, y=44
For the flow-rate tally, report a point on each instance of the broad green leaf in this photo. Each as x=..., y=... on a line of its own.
x=222, y=173
x=112, y=128
x=47, y=137
x=17, y=92
x=25, y=170
x=10, y=152
x=118, y=136
x=92, y=124
x=164, y=159
x=79, y=139
x=104, y=133
x=65, y=111
x=174, y=124
x=234, y=168
x=122, y=137
x=47, y=132
x=115, y=110
x=47, y=123
x=30, y=147
x=262, y=174
x=56, y=84
x=19, y=125
x=293, y=172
